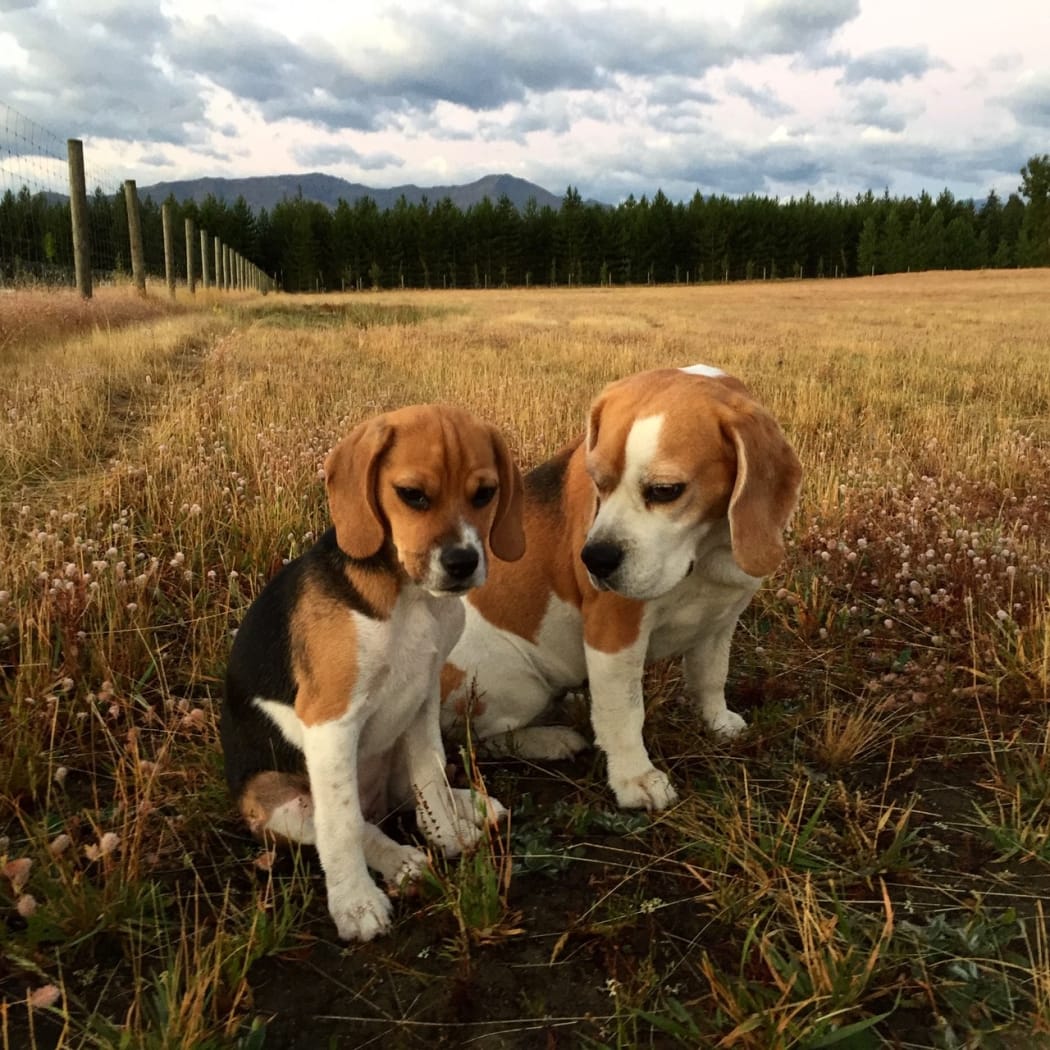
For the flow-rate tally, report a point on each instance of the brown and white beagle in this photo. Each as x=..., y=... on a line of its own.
x=332, y=712
x=646, y=539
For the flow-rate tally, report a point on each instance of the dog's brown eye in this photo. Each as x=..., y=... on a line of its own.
x=663, y=493
x=414, y=498
x=483, y=497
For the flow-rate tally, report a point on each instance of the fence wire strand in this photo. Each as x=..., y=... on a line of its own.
x=36, y=241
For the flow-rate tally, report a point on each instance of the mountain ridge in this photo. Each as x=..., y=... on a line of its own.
x=266, y=191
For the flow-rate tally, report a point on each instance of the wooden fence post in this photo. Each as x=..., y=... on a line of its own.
x=191, y=236
x=226, y=267
x=78, y=208
x=138, y=259
x=204, y=258
x=217, y=246
x=169, y=247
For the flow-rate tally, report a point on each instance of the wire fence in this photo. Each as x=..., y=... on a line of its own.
x=37, y=242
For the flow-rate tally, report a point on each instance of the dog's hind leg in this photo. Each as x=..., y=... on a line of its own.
x=501, y=708
x=537, y=743
x=397, y=863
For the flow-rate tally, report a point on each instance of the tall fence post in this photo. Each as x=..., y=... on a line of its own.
x=226, y=267
x=78, y=208
x=138, y=258
x=218, y=263
x=204, y=259
x=191, y=247
x=169, y=247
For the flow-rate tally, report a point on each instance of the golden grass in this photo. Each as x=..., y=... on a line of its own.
x=30, y=317
x=156, y=466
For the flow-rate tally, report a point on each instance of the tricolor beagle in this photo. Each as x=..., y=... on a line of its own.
x=332, y=712
x=645, y=539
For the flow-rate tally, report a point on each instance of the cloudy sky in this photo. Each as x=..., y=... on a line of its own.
x=764, y=96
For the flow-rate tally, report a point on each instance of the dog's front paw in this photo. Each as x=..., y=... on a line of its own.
x=360, y=914
x=727, y=724
x=650, y=790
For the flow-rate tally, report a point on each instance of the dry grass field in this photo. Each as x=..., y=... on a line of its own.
x=867, y=866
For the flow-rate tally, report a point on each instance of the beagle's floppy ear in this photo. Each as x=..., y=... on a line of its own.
x=351, y=472
x=768, y=476
x=593, y=420
x=507, y=535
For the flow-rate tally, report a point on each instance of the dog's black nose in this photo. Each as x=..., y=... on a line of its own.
x=459, y=562
x=602, y=559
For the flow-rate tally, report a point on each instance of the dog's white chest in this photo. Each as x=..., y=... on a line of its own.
x=401, y=650
x=708, y=600
x=401, y=661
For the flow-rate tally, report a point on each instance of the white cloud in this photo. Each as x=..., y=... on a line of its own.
x=1029, y=100
x=774, y=96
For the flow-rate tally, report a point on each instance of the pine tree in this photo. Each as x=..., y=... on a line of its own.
x=991, y=224
x=960, y=244
x=933, y=251
x=1035, y=186
x=892, y=254
x=868, y=247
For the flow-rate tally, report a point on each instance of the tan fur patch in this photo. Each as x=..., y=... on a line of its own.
x=516, y=594
x=451, y=680
x=611, y=622
x=324, y=658
x=468, y=702
x=379, y=587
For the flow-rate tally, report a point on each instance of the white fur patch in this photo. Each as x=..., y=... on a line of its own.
x=658, y=547
x=284, y=717
x=622, y=515
x=642, y=443
x=703, y=370
x=294, y=820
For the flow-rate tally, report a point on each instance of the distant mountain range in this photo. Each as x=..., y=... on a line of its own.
x=265, y=191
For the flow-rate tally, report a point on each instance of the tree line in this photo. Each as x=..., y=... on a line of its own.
x=306, y=246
